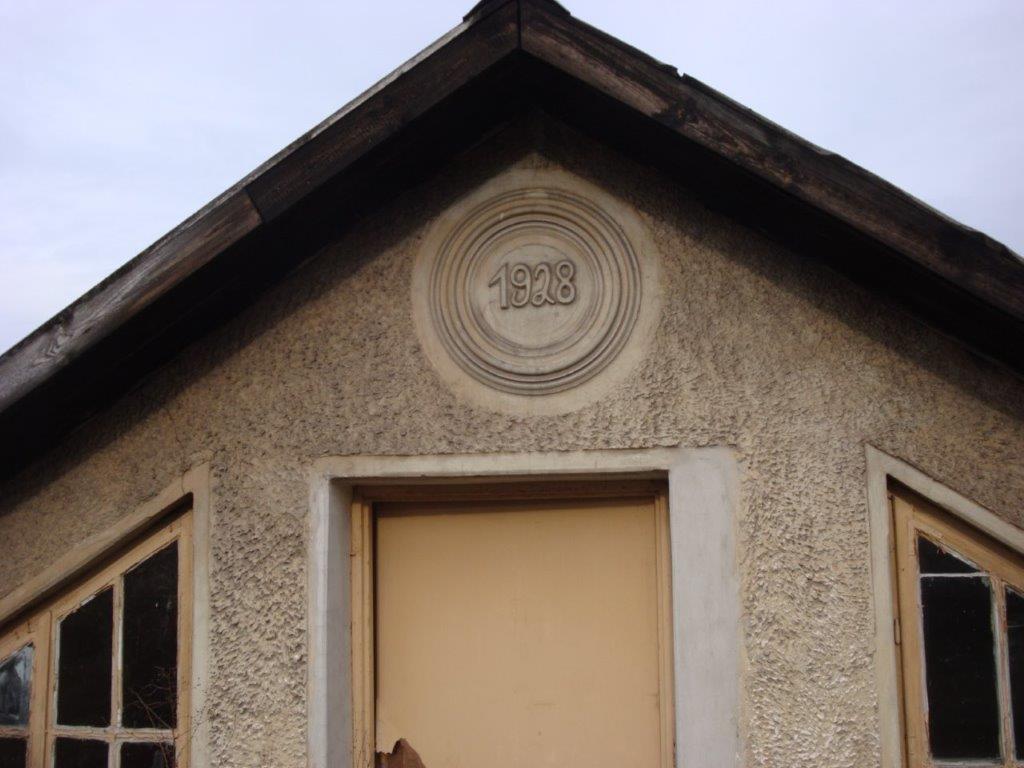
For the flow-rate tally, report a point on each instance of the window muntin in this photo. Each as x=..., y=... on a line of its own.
x=961, y=630
x=110, y=664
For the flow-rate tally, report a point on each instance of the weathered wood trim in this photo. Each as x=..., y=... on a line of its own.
x=351, y=132
x=319, y=154
x=363, y=627
x=965, y=257
x=408, y=93
x=485, y=7
x=666, y=630
x=132, y=288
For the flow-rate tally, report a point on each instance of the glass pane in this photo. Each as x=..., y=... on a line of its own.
x=1015, y=645
x=15, y=687
x=13, y=752
x=151, y=642
x=935, y=559
x=83, y=673
x=960, y=670
x=79, y=753
x=147, y=756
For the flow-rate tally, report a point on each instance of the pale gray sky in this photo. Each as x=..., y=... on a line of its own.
x=119, y=119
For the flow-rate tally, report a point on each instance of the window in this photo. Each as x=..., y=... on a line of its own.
x=961, y=630
x=98, y=676
x=515, y=624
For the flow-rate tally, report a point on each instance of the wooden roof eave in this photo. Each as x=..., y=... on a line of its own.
x=822, y=179
x=981, y=274
x=326, y=150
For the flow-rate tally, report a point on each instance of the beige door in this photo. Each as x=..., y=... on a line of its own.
x=523, y=633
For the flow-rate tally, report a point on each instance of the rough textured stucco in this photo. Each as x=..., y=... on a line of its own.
x=769, y=353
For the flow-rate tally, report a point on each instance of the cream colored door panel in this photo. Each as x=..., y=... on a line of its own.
x=521, y=633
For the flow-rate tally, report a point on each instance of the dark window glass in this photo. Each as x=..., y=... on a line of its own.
x=79, y=753
x=147, y=756
x=15, y=687
x=935, y=559
x=83, y=672
x=13, y=753
x=150, y=636
x=1015, y=647
x=960, y=670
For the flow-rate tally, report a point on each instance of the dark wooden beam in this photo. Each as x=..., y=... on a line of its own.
x=244, y=270
x=799, y=226
x=456, y=59
x=350, y=134
x=133, y=287
x=485, y=7
x=868, y=204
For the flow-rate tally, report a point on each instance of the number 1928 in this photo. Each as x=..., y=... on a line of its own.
x=520, y=285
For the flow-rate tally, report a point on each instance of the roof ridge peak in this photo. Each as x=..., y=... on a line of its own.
x=486, y=7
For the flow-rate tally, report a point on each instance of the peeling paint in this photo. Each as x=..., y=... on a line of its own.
x=402, y=755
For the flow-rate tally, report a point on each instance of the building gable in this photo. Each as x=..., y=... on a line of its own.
x=507, y=57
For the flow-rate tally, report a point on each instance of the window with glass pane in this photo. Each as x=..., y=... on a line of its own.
x=961, y=602
x=110, y=655
x=16, y=667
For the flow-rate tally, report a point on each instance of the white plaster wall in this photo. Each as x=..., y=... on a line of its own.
x=784, y=362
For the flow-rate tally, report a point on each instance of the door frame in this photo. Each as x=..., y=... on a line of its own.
x=362, y=575
x=703, y=498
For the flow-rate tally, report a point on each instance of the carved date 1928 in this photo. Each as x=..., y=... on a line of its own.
x=520, y=285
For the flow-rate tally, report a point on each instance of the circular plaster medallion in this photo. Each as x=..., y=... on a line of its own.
x=534, y=290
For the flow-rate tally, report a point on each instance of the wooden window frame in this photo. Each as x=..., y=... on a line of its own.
x=35, y=632
x=362, y=588
x=41, y=625
x=914, y=515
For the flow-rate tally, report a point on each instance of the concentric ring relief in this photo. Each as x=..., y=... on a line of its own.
x=535, y=291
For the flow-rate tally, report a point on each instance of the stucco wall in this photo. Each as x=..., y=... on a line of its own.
x=786, y=362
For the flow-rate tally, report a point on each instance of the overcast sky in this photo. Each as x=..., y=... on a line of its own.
x=119, y=119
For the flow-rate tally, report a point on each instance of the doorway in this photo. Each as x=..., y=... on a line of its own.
x=513, y=624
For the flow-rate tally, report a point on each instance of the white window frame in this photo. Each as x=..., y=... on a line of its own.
x=703, y=494
x=881, y=468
